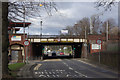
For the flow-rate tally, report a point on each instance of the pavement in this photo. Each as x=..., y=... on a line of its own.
x=64, y=68
x=93, y=63
x=25, y=71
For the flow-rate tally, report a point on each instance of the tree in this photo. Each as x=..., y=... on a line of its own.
x=106, y=4
x=114, y=31
x=96, y=23
x=17, y=11
x=70, y=30
x=4, y=39
x=81, y=26
x=111, y=24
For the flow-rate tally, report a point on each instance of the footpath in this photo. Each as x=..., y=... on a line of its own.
x=95, y=64
x=26, y=71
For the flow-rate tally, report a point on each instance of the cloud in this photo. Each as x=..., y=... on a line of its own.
x=68, y=13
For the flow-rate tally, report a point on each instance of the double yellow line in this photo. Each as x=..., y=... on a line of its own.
x=36, y=68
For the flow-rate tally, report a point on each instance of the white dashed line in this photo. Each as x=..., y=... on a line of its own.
x=70, y=68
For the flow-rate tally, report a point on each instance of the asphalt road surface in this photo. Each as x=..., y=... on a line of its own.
x=69, y=68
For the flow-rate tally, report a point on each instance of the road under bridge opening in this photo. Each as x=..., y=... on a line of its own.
x=38, y=50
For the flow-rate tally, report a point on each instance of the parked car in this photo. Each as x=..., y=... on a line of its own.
x=53, y=53
x=61, y=53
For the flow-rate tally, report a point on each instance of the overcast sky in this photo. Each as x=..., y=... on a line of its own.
x=68, y=14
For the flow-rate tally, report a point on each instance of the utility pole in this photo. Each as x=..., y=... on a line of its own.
x=24, y=32
x=91, y=26
x=107, y=25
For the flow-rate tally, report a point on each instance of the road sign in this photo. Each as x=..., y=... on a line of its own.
x=99, y=41
x=26, y=43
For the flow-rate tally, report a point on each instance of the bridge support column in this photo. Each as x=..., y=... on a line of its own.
x=84, y=50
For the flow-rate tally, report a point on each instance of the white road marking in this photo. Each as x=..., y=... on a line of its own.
x=80, y=74
x=67, y=75
x=53, y=75
x=65, y=63
x=76, y=71
x=70, y=68
x=57, y=75
x=87, y=63
x=53, y=60
x=46, y=73
x=36, y=72
x=67, y=60
x=42, y=76
x=42, y=72
x=53, y=72
x=50, y=73
x=37, y=67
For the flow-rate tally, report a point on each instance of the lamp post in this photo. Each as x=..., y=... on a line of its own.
x=41, y=27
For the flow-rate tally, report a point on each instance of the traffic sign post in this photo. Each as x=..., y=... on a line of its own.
x=26, y=43
x=99, y=42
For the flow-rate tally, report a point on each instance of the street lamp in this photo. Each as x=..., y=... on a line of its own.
x=41, y=27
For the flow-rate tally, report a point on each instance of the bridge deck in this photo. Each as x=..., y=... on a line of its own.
x=56, y=38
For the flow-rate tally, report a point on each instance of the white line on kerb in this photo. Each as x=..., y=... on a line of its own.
x=87, y=63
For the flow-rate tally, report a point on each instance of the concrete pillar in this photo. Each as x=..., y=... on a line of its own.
x=84, y=51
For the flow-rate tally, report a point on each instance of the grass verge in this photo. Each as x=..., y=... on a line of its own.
x=14, y=68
